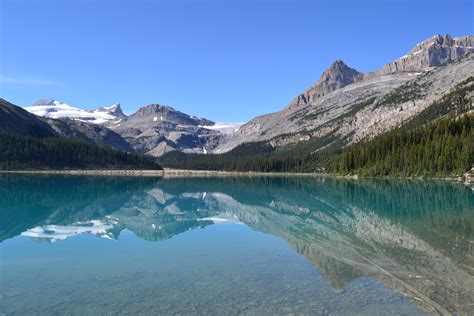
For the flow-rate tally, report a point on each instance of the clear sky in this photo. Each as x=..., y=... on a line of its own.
x=221, y=59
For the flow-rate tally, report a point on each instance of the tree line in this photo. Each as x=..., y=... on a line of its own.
x=24, y=152
x=443, y=147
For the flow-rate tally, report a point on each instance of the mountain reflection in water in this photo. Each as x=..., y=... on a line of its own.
x=413, y=236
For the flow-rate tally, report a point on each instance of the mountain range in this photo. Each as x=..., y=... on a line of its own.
x=154, y=129
x=347, y=106
x=343, y=107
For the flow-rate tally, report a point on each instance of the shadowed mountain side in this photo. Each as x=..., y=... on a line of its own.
x=16, y=120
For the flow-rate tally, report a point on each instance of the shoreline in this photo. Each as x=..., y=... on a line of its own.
x=168, y=173
x=162, y=173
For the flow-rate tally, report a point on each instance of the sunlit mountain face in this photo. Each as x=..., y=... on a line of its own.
x=413, y=237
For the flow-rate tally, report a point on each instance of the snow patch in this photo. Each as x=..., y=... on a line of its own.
x=113, y=107
x=62, y=110
x=223, y=127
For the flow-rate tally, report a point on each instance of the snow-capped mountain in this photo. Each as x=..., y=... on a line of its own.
x=153, y=129
x=114, y=110
x=156, y=129
x=57, y=110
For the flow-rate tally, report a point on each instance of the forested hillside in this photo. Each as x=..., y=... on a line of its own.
x=245, y=157
x=444, y=147
x=19, y=152
x=29, y=142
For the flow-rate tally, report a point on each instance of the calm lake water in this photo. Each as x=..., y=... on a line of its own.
x=247, y=245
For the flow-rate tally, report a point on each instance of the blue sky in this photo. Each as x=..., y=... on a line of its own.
x=225, y=60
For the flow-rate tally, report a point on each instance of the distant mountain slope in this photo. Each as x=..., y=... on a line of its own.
x=432, y=52
x=156, y=129
x=438, y=140
x=337, y=76
x=16, y=120
x=348, y=106
x=29, y=142
x=153, y=129
x=114, y=110
x=343, y=107
x=98, y=134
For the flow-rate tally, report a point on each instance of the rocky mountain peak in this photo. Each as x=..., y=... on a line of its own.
x=47, y=102
x=156, y=129
x=337, y=76
x=158, y=113
x=432, y=52
x=155, y=107
x=337, y=65
x=115, y=110
x=152, y=109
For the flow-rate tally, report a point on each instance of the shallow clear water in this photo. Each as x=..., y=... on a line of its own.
x=248, y=245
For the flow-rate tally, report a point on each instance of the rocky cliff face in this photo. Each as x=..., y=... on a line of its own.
x=151, y=114
x=156, y=129
x=347, y=106
x=433, y=52
x=115, y=110
x=337, y=76
x=94, y=133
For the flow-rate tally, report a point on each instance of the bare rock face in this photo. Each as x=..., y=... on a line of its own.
x=89, y=132
x=157, y=129
x=153, y=114
x=115, y=110
x=337, y=76
x=433, y=52
x=348, y=106
x=43, y=102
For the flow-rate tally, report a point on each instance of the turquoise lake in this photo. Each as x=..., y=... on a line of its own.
x=88, y=245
